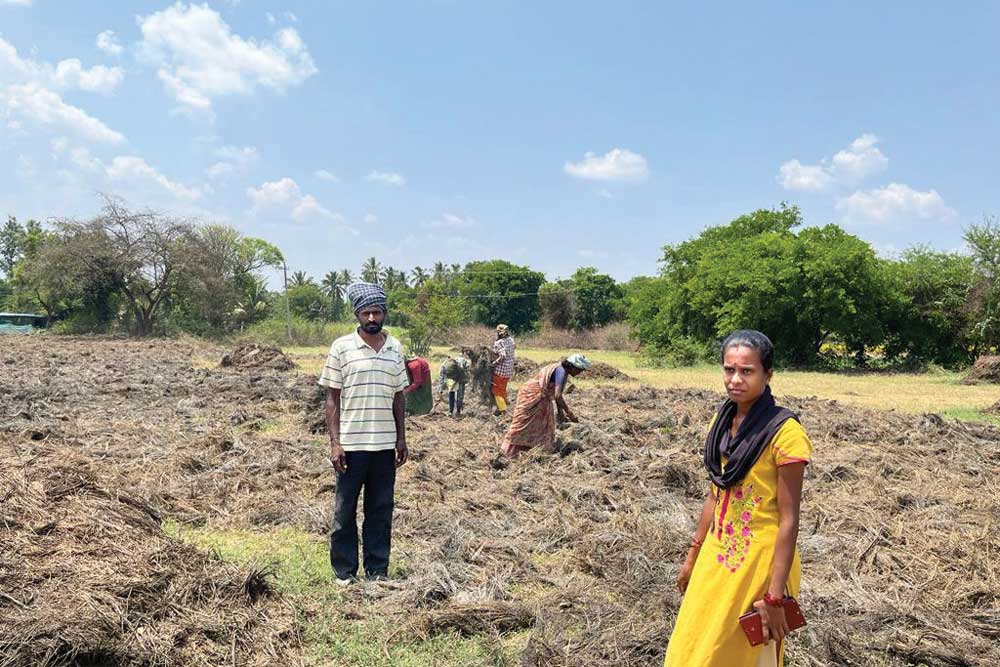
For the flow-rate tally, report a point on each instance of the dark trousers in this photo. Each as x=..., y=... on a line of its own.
x=376, y=472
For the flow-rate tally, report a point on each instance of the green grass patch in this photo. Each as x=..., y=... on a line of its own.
x=972, y=415
x=301, y=565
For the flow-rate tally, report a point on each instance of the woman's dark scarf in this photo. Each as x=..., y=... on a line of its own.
x=743, y=449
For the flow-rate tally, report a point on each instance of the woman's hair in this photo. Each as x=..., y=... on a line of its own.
x=754, y=339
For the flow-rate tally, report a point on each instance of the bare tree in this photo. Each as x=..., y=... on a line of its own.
x=146, y=250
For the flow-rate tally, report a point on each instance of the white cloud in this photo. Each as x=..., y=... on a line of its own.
x=107, y=43
x=219, y=169
x=16, y=3
x=43, y=107
x=605, y=194
x=793, y=175
x=324, y=175
x=98, y=79
x=289, y=16
x=862, y=159
x=270, y=18
x=131, y=168
x=387, y=177
x=199, y=58
x=450, y=220
x=618, y=164
x=895, y=205
x=848, y=167
x=370, y=218
x=67, y=74
x=285, y=194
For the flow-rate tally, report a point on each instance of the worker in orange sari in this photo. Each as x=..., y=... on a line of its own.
x=743, y=555
x=503, y=368
x=534, y=421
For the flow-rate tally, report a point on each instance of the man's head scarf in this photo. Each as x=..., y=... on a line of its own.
x=366, y=295
x=503, y=328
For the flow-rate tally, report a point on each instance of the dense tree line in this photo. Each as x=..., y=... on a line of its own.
x=822, y=294
x=819, y=291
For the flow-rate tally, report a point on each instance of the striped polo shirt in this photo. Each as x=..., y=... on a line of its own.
x=368, y=381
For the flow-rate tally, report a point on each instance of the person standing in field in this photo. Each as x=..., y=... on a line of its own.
x=743, y=554
x=365, y=415
x=419, y=399
x=503, y=367
x=454, y=375
x=534, y=420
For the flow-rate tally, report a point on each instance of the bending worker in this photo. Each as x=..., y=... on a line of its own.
x=418, y=394
x=454, y=375
x=534, y=421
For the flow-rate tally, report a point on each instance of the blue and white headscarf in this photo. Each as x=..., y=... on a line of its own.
x=365, y=295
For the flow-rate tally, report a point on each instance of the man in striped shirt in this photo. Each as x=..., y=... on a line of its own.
x=365, y=375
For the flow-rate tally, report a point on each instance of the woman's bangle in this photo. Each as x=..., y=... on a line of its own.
x=773, y=600
x=696, y=543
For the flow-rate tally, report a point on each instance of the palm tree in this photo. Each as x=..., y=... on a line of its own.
x=334, y=289
x=393, y=279
x=346, y=277
x=371, y=271
x=419, y=276
x=440, y=271
x=301, y=279
x=254, y=302
x=332, y=286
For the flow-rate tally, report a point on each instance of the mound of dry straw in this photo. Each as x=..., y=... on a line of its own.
x=986, y=369
x=88, y=577
x=255, y=355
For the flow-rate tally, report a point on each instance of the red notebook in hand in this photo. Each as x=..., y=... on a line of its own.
x=753, y=627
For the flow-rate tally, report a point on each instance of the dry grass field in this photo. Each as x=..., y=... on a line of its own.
x=159, y=508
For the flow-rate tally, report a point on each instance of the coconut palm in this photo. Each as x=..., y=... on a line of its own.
x=334, y=287
x=419, y=276
x=301, y=279
x=440, y=272
x=371, y=271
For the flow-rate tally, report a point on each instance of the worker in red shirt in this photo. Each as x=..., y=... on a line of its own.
x=419, y=399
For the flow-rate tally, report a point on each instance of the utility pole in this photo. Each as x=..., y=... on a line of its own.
x=288, y=308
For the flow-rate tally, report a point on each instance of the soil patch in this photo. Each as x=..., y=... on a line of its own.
x=255, y=355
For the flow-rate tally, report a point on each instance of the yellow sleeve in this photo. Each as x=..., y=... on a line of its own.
x=791, y=444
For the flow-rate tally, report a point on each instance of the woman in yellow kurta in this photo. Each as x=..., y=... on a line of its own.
x=743, y=555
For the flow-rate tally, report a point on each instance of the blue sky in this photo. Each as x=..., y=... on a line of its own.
x=550, y=134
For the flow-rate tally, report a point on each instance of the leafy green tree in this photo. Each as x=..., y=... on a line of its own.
x=11, y=246
x=308, y=301
x=497, y=291
x=802, y=289
x=335, y=289
x=932, y=317
x=596, y=297
x=558, y=304
x=983, y=240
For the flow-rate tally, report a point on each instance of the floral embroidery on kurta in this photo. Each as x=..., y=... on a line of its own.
x=733, y=526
